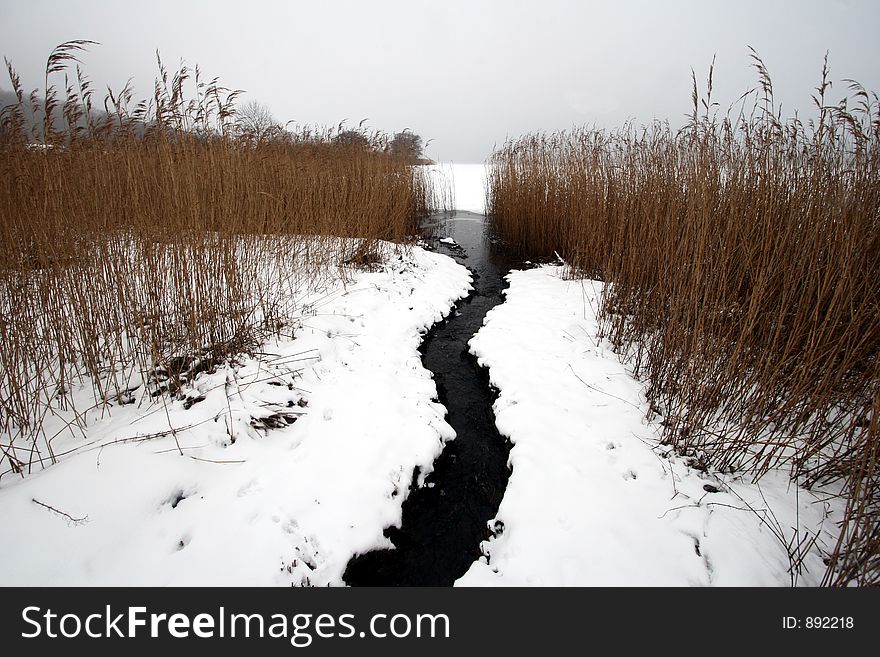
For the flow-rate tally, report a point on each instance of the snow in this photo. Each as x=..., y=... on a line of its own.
x=593, y=500
x=468, y=181
x=297, y=458
x=255, y=499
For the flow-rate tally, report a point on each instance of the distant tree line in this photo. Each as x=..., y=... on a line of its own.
x=404, y=144
x=57, y=116
x=252, y=121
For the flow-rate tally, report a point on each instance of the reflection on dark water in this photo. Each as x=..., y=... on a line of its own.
x=444, y=521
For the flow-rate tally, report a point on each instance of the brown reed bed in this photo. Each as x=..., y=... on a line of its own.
x=741, y=256
x=153, y=240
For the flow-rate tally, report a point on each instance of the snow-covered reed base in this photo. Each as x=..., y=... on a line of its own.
x=271, y=470
x=593, y=498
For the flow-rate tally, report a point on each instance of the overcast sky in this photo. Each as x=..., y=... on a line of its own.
x=465, y=73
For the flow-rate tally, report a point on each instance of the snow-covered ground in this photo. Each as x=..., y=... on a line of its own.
x=591, y=501
x=299, y=457
x=293, y=460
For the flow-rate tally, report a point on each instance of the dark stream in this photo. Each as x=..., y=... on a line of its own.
x=445, y=520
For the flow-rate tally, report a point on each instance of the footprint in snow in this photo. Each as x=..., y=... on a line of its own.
x=182, y=542
x=248, y=488
x=177, y=496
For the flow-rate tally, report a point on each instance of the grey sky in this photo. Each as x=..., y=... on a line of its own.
x=466, y=74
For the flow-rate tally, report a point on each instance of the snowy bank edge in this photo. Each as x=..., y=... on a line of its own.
x=153, y=518
x=573, y=512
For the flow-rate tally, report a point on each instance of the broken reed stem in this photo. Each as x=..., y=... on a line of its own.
x=70, y=519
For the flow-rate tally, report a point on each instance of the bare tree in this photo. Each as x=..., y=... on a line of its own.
x=255, y=121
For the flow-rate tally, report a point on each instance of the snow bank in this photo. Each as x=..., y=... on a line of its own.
x=293, y=460
x=591, y=500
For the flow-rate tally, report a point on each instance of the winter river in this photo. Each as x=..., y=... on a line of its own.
x=445, y=520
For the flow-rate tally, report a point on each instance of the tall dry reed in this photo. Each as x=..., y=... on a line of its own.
x=149, y=242
x=742, y=261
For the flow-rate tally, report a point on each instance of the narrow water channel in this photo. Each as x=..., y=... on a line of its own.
x=445, y=520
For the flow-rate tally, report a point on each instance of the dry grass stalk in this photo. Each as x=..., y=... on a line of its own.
x=150, y=242
x=742, y=261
